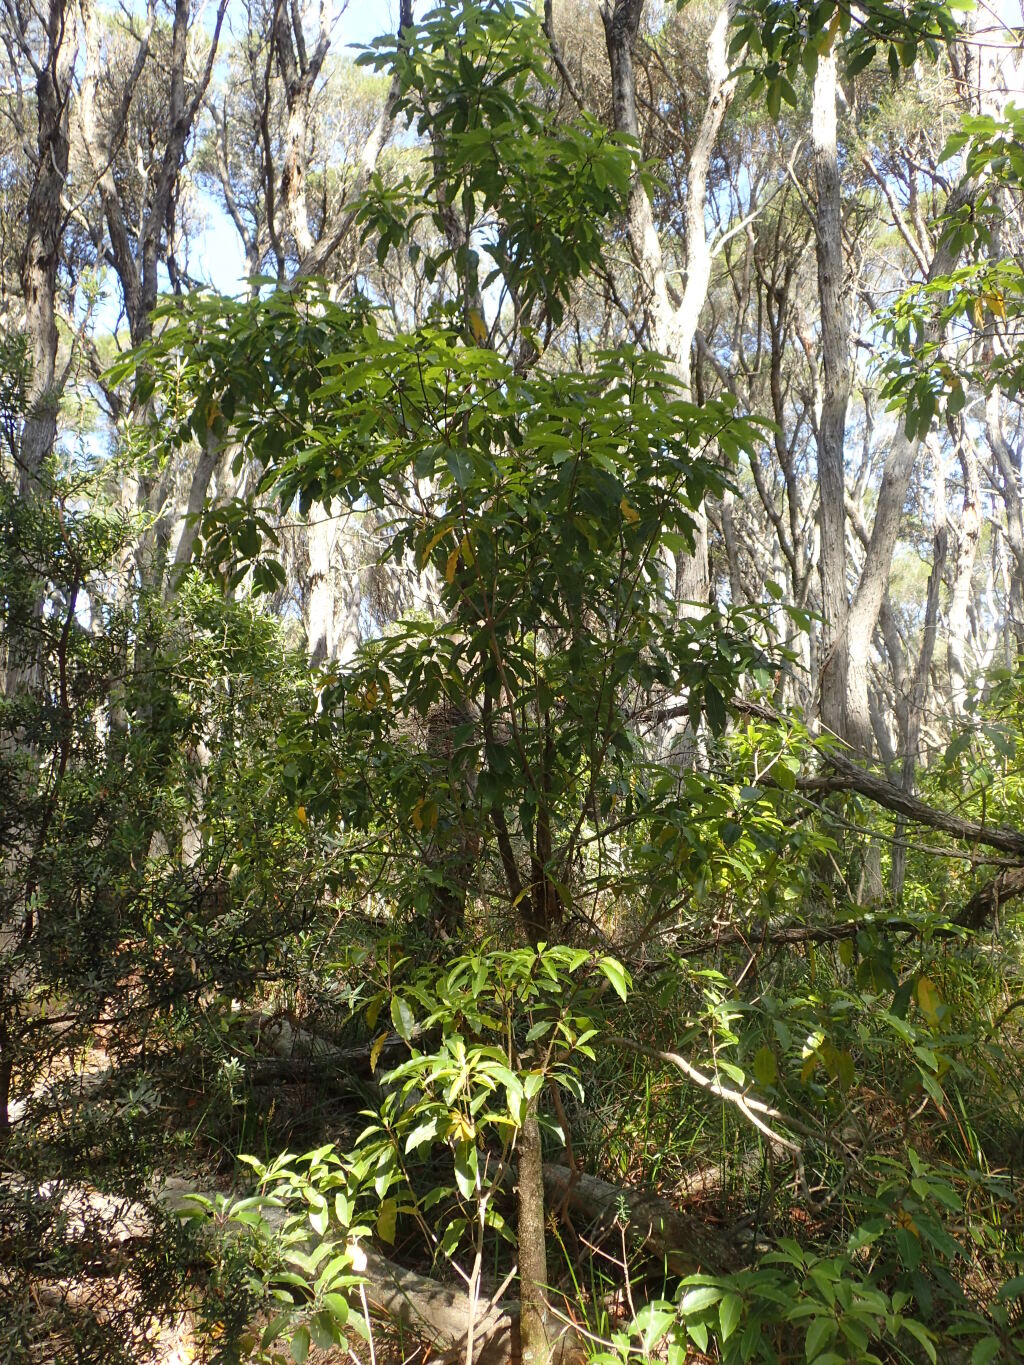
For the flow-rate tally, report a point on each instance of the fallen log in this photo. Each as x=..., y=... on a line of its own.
x=338, y=1065
x=431, y=1311
x=55, y=1096
x=683, y=1238
x=441, y=1313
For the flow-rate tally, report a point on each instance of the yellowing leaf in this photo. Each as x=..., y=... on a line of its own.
x=377, y=1049
x=424, y=814
x=929, y=1000
x=462, y=1129
x=630, y=513
x=996, y=306
x=466, y=550
x=978, y=312
x=843, y=1067
x=300, y=814
x=438, y=536
x=477, y=326
x=451, y=566
x=904, y=1220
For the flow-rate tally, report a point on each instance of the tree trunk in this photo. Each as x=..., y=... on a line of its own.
x=968, y=537
x=533, y=1266
x=835, y=359
x=1007, y=464
x=892, y=495
x=41, y=256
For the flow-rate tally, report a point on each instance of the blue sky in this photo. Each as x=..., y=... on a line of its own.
x=217, y=256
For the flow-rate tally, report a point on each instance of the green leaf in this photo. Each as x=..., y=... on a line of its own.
x=714, y=709
x=766, y=1067
x=861, y=59
x=921, y=1334
x=698, y=1334
x=616, y=975
x=985, y=1351
x=653, y=1321
x=466, y=1168
x=696, y=1300
x=299, y=1345
x=424, y=1132
x=337, y=1306
x=402, y=1017
x=819, y=1335
x=323, y=1331
x=730, y=1310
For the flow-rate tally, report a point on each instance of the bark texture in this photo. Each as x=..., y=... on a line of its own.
x=835, y=395
x=54, y=70
x=535, y=1339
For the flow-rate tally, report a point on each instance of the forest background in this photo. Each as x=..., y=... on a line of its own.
x=513, y=590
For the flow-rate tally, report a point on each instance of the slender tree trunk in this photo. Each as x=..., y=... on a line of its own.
x=41, y=255
x=917, y=698
x=22, y=671
x=299, y=72
x=533, y=1265
x=892, y=494
x=968, y=537
x=332, y=604
x=835, y=359
x=1007, y=464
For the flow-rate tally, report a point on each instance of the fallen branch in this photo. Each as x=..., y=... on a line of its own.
x=752, y=1109
x=780, y=936
x=850, y=777
x=54, y=1097
x=988, y=898
x=341, y=1067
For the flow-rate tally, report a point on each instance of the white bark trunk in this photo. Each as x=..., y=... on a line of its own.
x=835, y=354
x=672, y=322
